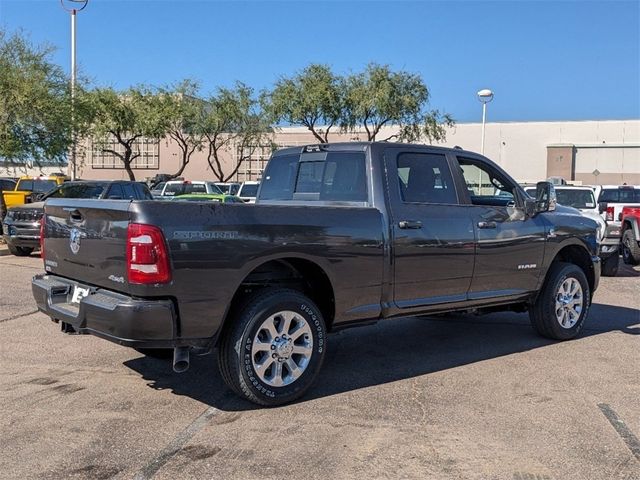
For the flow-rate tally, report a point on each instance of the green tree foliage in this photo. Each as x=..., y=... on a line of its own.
x=184, y=114
x=378, y=97
x=234, y=120
x=35, y=103
x=312, y=98
x=124, y=116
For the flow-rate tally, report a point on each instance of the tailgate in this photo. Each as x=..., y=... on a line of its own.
x=86, y=240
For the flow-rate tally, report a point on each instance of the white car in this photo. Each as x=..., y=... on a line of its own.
x=612, y=198
x=583, y=198
x=174, y=188
x=249, y=191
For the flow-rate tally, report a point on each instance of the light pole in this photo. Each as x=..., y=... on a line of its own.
x=485, y=96
x=73, y=7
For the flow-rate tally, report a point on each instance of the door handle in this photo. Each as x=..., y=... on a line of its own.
x=415, y=224
x=75, y=215
x=487, y=225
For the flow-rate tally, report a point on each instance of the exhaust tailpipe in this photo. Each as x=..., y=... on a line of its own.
x=180, y=359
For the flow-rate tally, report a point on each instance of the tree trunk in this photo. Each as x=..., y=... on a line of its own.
x=127, y=163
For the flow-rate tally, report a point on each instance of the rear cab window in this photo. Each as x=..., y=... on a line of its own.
x=316, y=177
x=37, y=186
x=619, y=195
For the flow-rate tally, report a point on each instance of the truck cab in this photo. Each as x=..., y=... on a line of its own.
x=29, y=188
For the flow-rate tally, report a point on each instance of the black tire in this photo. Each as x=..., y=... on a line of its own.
x=20, y=251
x=543, y=314
x=159, y=353
x=610, y=266
x=630, y=248
x=235, y=350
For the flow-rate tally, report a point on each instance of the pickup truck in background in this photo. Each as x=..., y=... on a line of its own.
x=631, y=235
x=341, y=235
x=21, y=230
x=29, y=189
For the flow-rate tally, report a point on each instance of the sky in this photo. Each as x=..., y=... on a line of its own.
x=544, y=60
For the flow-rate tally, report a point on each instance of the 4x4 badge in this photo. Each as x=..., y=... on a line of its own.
x=74, y=240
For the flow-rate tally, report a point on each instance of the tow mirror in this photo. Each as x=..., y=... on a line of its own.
x=545, y=197
x=602, y=207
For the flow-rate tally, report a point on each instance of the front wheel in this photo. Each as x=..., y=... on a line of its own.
x=630, y=248
x=274, y=349
x=610, y=266
x=563, y=304
x=20, y=251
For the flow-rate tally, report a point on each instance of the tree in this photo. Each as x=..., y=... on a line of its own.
x=35, y=104
x=234, y=120
x=184, y=113
x=378, y=97
x=312, y=98
x=124, y=116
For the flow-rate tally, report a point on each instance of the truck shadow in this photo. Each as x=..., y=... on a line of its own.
x=390, y=351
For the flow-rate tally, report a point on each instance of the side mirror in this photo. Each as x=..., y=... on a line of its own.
x=545, y=197
x=602, y=207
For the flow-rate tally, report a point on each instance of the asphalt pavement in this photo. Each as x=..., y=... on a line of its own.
x=455, y=397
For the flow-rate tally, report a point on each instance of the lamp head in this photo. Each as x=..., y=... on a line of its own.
x=71, y=5
x=485, y=95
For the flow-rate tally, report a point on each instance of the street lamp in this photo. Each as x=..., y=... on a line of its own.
x=73, y=7
x=485, y=96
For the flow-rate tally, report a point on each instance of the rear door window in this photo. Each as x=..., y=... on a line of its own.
x=129, y=191
x=115, y=192
x=425, y=178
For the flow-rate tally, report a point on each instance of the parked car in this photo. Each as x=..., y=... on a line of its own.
x=207, y=197
x=248, y=191
x=631, y=235
x=341, y=235
x=229, y=188
x=172, y=188
x=21, y=230
x=583, y=199
x=611, y=199
x=28, y=188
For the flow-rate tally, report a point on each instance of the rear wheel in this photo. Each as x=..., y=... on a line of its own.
x=274, y=349
x=630, y=248
x=20, y=251
x=563, y=304
x=610, y=266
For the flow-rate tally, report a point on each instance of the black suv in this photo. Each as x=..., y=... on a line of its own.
x=22, y=224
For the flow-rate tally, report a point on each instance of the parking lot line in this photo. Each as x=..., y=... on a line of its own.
x=149, y=470
x=621, y=428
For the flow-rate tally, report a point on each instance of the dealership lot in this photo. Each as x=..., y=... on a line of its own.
x=447, y=397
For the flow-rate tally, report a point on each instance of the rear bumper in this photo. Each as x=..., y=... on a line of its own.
x=113, y=316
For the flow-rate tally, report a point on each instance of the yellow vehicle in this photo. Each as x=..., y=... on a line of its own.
x=29, y=188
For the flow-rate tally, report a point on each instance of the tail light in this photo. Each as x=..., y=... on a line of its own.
x=147, y=256
x=43, y=221
x=609, y=214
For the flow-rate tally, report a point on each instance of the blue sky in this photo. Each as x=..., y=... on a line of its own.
x=544, y=60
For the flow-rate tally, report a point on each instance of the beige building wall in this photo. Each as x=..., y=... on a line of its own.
x=529, y=151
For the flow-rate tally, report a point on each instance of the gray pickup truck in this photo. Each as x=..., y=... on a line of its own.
x=341, y=235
